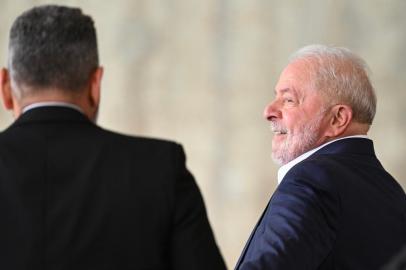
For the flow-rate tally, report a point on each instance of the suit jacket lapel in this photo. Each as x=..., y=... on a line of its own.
x=251, y=236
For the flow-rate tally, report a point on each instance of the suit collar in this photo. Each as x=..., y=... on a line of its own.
x=358, y=144
x=51, y=114
x=52, y=104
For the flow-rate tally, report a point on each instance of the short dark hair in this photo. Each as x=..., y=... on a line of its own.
x=53, y=47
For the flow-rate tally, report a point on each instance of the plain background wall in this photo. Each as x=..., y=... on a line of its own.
x=200, y=72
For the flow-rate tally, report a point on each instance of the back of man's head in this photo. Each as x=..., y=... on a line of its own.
x=52, y=47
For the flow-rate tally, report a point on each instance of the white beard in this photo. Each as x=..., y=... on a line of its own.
x=299, y=143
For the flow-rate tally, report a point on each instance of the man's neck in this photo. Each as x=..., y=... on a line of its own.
x=53, y=97
x=51, y=103
x=47, y=95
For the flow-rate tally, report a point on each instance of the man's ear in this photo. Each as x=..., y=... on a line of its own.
x=5, y=89
x=341, y=117
x=95, y=86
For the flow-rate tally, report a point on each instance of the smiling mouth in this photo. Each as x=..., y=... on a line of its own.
x=280, y=132
x=278, y=129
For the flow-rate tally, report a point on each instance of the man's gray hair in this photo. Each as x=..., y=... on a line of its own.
x=52, y=47
x=342, y=77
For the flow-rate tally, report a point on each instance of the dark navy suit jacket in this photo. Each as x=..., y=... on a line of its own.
x=337, y=209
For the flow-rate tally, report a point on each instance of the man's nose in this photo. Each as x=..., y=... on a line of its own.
x=271, y=111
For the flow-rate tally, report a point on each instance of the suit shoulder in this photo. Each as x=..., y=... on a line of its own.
x=320, y=171
x=141, y=141
x=321, y=163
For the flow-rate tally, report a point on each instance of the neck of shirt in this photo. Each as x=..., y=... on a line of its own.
x=51, y=104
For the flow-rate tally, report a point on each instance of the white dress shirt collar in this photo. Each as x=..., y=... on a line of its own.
x=51, y=104
x=285, y=168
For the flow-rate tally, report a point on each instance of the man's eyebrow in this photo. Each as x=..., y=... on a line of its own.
x=283, y=90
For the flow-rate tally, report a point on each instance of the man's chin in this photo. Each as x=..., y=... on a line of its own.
x=278, y=158
x=277, y=161
x=279, y=151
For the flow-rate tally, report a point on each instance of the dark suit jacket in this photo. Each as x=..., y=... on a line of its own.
x=337, y=209
x=398, y=262
x=75, y=196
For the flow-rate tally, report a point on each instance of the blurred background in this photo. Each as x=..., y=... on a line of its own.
x=200, y=72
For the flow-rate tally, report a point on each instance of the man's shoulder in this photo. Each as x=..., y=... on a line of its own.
x=335, y=158
x=98, y=137
x=151, y=143
x=314, y=163
x=319, y=171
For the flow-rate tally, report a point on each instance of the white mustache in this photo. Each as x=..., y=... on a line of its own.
x=278, y=128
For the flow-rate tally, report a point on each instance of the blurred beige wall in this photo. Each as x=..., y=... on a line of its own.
x=201, y=71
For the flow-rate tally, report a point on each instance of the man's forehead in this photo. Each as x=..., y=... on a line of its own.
x=295, y=77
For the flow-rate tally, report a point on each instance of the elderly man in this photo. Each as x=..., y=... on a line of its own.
x=75, y=196
x=335, y=206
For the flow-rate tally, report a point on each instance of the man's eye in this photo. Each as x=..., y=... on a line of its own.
x=288, y=100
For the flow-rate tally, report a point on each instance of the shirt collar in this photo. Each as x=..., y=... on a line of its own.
x=285, y=168
x=51, y=104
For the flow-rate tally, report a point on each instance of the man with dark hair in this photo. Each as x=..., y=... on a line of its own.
x=73, y=195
